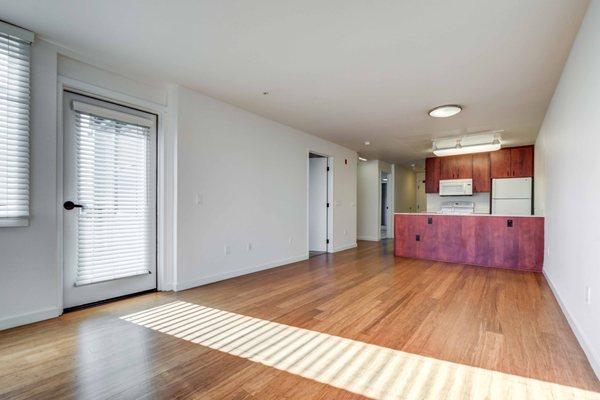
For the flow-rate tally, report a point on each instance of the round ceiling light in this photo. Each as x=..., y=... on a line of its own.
x=445, y=111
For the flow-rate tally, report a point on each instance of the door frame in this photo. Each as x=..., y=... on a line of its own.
x=329, y=235
x=165, y=218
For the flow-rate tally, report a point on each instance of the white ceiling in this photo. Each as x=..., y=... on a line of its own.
x=345, y=70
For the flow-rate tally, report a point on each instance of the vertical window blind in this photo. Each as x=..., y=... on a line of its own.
x=14, y=125
x=113, y=186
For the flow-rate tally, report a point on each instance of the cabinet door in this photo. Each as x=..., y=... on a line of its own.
x=481, y=172
x=406, y=229
x=432, y=175
x=500, y=163
x=448, y=168
x=521, y=162
x=464, y=167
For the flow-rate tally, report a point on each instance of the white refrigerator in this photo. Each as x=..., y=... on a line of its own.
x=512, y=196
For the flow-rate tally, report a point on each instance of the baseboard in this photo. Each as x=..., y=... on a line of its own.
x=238, y=272
x=581, y=337
x=369, y=238
x=29, y=318
x=344, y=247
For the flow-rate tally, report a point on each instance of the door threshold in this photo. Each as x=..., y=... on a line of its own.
x=102, y=302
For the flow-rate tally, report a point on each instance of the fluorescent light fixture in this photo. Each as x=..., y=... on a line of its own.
x=445, y=111
x=362, y=159
x=468, y=144
x=478, y=148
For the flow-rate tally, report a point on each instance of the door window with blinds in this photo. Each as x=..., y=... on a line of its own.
x=109, y=200
x=15, y=46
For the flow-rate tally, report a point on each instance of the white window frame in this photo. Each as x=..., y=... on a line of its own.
x=27, y=37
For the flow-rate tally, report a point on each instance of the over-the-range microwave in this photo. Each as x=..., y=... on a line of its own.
x=456, y=187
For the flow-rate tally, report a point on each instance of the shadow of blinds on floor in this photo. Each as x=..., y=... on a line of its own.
x=366, y=369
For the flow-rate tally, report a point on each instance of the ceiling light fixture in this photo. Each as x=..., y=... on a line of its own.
x=367, y=143
x=362, y=159
x=468, y=144
x=445, y=111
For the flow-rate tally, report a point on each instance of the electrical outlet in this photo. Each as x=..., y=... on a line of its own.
x=588, y=295
x=249, y=246
x=345, y=232
x=227, y=250
x=290, y=240
x=199, y=199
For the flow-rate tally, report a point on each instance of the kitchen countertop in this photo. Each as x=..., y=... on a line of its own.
x=472, y=215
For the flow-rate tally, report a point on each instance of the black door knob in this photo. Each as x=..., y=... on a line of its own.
x=69, y=205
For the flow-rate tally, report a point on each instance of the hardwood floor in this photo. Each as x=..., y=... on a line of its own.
x=359, y=318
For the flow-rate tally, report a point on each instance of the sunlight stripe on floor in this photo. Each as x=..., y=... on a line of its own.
x=373, y=371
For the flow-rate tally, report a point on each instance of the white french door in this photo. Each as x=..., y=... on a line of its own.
x=109, y=194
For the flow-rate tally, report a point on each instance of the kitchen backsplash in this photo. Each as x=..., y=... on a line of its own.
x=481, y=200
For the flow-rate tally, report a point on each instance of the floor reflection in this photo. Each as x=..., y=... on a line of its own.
x=366, y=369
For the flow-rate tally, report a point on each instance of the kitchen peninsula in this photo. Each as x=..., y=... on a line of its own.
x=513, y=242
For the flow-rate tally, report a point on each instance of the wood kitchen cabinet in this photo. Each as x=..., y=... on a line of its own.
x=432, y=175
x=456, y=167
x=512, y=162
x=521, y=161
x=500, y=163
x=481, y=173
x=447, y=168
x=489, y=241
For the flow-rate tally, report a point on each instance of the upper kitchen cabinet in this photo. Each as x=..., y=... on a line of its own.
x=500, y=163
x=514, y=162
x=481, y=173
x=521, y=161
x=432, y=175
x=456, y=167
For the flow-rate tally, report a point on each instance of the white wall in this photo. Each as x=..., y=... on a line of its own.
x=539, y=185
x=368, y=192
x=567, y=147
x=481, y=200
x=369, y=199
x=29, y=275
x=405, y=189
x=421, y=195
x=251, y=175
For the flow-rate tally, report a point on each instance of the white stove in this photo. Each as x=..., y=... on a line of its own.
x=458, y=207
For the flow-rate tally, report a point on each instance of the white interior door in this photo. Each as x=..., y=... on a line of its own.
x=109, y=199
x=317, y=204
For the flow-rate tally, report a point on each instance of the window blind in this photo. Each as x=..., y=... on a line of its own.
x=14, y=127
x=113, y=185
